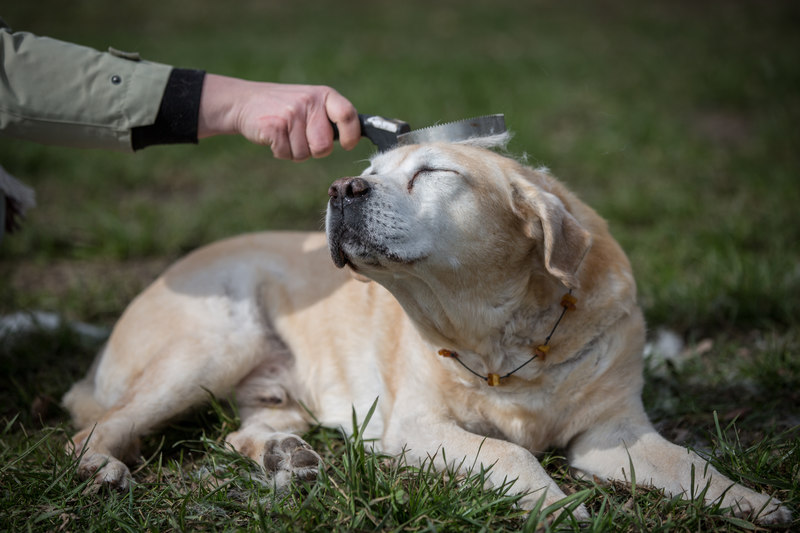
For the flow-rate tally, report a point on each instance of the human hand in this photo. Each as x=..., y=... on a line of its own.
x=293, y=120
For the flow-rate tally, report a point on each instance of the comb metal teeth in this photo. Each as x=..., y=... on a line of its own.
x=458, y=130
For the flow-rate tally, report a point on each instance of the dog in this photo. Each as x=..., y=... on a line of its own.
x=500, y=321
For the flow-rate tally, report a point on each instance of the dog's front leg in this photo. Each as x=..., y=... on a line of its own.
x=431, y=438
x=626, y=451
x=271, y=423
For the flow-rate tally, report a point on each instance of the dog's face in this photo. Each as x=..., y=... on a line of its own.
x=444, y=209
x=409, y=203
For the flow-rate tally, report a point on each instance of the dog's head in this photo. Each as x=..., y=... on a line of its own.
x=463, y=237
x=454, y=211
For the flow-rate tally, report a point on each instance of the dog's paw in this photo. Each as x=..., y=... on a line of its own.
x=287, y=456
x=760, y=508
x=775, y=514
x=765, y=513
x=106, y=471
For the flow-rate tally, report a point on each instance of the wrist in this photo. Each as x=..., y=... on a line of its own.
x=218, y=106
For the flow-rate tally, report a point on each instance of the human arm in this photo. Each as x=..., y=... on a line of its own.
x=60, y=93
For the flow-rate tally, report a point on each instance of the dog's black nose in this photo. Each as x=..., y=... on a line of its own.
x=348, y=189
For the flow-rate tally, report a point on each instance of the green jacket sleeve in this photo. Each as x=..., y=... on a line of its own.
x=61, y=93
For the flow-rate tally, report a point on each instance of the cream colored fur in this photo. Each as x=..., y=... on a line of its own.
x=471, y=252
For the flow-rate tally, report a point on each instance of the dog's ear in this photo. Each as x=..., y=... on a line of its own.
x=564, y=241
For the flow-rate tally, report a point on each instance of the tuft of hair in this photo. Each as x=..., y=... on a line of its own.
x=498, y=141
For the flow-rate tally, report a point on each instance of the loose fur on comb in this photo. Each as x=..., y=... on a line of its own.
x=497, y=141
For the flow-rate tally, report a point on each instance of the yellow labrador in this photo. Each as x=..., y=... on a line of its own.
x=503, y=322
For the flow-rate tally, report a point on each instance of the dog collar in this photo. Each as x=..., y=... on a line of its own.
x=568, y=302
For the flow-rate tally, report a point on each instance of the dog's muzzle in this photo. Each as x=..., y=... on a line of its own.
x=347, y=196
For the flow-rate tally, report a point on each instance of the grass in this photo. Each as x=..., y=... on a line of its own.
x=675, y=120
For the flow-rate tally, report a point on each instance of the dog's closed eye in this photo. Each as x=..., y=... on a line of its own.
x=424, y=171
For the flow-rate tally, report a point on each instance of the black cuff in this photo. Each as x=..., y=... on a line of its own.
x=177, y=117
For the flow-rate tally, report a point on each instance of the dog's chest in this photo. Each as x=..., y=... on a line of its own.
x=519, y=417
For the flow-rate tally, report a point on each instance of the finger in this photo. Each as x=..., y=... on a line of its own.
x=341, y=112
x=278, y=136
x=298, y=139
x=320, y=135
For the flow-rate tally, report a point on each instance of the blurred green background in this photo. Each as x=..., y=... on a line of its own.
x=677, y=121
